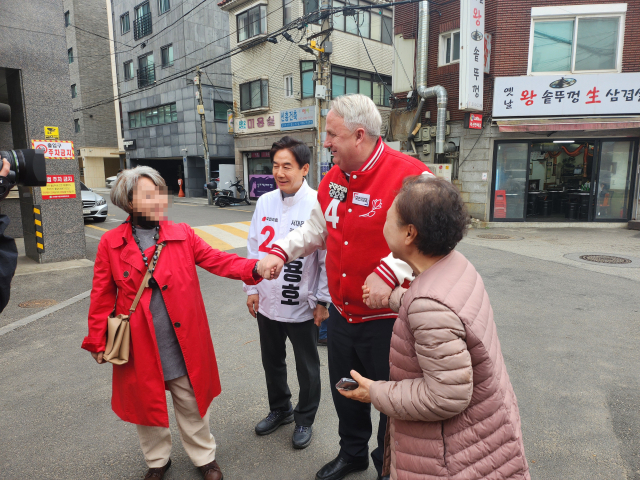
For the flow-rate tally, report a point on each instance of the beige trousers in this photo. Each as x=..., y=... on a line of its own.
x=194, y=431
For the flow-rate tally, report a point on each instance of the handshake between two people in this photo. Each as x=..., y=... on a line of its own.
x=376, y=292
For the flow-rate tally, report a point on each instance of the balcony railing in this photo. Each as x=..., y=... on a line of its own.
x=146, y=76
x=142, y=26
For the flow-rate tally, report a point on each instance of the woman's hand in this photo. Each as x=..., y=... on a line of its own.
x=320, y=314
x=361, y=393
x=252, y=304
x=97, y=356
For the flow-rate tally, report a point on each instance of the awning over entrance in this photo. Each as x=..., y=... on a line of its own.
x=567, y=124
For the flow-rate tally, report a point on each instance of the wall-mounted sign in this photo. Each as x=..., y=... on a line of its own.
x=545, y=95
x=230, y=121
x=487, y=52
x=472, y=55
x=473, y=121
x=59, y=150
x=261, y=123
x=129, y=144
x=297, y=118
x=51, y=133
x=59, y=186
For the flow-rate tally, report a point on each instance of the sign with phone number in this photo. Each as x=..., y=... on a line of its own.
x=59, y=186
x=58, y=150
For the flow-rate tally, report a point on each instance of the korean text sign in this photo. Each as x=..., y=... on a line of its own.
x=59, y=186
x=297, y=118
x=548, y=95
x=472, y=55
x=54, y=149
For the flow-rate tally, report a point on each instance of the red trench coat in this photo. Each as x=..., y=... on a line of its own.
x=138, y=386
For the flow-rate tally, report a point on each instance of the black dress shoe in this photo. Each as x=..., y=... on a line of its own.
x=157, y=473
x=302, y=437
x=339, y=468
x=272, y=421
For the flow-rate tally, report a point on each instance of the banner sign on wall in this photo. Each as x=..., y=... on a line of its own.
x=296, y=118
x=547, y=95
x=60, y=150
x=261, y=123
x=59, y=186
x=472, y=55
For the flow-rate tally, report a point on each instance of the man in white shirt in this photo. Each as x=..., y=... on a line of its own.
x=296, y=303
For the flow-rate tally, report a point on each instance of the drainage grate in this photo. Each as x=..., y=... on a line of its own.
x=38, y=303
x=605, y=259
x=493, y=236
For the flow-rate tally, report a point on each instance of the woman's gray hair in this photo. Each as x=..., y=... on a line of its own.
x=358, y=111
x=125, y=184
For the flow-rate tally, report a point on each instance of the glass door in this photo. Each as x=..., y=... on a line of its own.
x=614, y=180
x=511, y=160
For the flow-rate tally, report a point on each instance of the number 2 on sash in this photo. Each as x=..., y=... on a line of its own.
x=331, y=213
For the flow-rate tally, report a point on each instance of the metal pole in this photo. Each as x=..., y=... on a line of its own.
x=204, y=134
x=322, y=57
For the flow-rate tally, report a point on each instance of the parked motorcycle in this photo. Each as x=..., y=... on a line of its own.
x=225, y=197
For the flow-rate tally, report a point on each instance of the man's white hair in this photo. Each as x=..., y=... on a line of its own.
x=125, y=184
x=358, y=111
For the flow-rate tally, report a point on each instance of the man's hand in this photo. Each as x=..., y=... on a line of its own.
x=361, y=393
x=252, y=304
x=270, y=267
x=378, y=291
x=320, y=314
x=98, y=357
x=6, y=168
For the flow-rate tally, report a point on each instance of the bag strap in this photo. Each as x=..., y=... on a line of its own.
x=145, y=280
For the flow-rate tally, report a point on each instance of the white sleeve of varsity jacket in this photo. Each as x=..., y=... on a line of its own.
x=303, y=240
x=252, y=249
x=394, y=271
x=322, y=289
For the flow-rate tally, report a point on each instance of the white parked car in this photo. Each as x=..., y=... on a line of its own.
x=94, y=206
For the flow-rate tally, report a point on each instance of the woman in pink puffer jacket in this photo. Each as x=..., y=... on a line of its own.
x=452, y=410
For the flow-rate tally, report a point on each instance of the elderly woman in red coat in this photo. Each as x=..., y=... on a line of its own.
x=171, y=347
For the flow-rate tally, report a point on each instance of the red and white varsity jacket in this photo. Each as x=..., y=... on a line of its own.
x=348, y=220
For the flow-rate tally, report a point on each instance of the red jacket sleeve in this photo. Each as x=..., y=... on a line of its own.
x=103, y=300
x=223, y=264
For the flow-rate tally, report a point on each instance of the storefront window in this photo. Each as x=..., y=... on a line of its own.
x=260, y=177
x=614, y=180
x=511, y=176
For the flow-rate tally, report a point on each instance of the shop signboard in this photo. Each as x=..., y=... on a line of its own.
x=472, y=55
x=297, y=118
x=59, y=186
x=261, y=184
x=473, y=121
x=58, y=150
x=268, y=122
x=548, y=95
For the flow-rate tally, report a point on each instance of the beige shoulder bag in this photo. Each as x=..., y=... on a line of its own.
x=118, y=329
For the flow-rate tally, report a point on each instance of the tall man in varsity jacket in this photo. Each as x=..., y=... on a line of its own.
x=347, y=220
x=295, y=304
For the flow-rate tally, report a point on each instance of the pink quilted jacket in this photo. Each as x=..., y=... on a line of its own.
x=453, y=413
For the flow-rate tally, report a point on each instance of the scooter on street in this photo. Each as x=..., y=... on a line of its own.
x=225, y=197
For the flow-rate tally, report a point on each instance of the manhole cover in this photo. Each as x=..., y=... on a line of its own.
x=605, y=259
x=37, y=303
x=493, y=236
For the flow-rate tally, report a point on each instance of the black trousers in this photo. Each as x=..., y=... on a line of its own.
x=363, y=347
x=304, y=339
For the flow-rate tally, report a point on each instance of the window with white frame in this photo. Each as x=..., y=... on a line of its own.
x=254, y=94
x=288, y=86
x=578, y=38
x=251, y=22
x=449, y=48
x=286, y=12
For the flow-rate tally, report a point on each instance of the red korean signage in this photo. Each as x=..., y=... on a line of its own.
x=54, y=149
x=59, y=186
x=473, y=121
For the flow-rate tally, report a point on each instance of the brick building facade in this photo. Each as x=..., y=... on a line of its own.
x=512, y=28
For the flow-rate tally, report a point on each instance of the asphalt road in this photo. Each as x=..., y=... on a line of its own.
x=569, y=337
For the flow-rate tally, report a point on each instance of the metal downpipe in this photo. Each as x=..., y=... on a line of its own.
x=421, y=80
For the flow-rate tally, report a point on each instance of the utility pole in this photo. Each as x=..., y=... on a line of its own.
x=323, y=67
x=204, y=133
